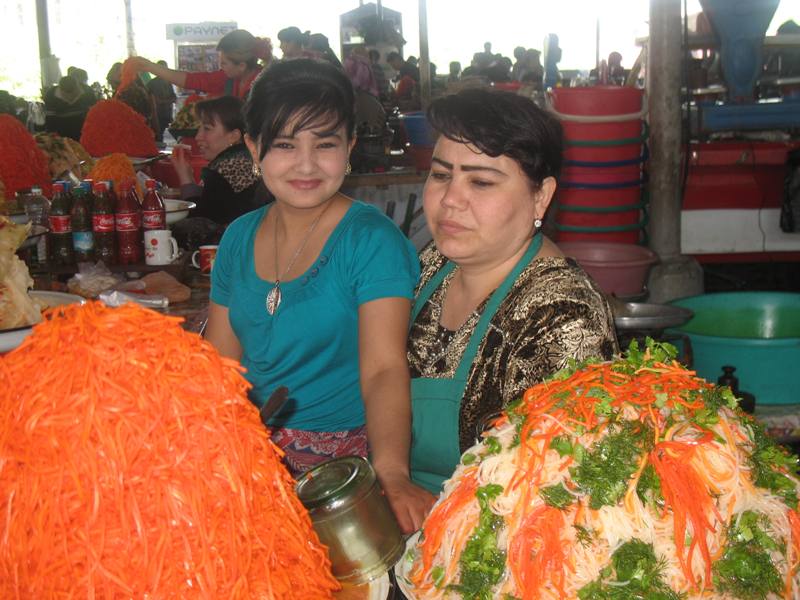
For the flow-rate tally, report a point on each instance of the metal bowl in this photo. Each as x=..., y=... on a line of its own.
x=177, y=210
x=649, y=316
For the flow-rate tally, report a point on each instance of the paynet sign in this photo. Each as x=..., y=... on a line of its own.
x=199, y=32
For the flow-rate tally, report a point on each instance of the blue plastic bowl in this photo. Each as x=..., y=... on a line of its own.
x=418, y=130
x=756, y=332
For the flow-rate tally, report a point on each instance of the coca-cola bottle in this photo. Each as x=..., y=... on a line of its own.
x=128, y=223
x=60, y=222
x=154, y=215
x=82, y=237
x=103, y=224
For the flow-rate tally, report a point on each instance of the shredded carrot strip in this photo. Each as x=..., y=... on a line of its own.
x=128, y=75
x=686, y=494
x=536, y=553
x=436, y=523
x=133, y=465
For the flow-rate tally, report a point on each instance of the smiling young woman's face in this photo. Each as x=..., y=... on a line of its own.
x=307, y=167
x=480, y=209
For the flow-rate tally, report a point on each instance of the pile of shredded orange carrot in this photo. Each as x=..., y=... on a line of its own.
x=132, y=465
x=113, y=126
x=116, y=167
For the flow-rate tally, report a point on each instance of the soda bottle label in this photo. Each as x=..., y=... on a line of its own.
x=153, y=219
x=82, y=241
x=127, y=221
x=103, y=223
x=60, y=223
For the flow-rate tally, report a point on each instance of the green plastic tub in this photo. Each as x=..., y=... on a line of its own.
x=756, y=332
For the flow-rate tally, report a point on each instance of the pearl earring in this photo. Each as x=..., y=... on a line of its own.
x=537, y=223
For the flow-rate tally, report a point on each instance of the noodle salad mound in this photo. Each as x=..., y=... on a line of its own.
x=621, y=480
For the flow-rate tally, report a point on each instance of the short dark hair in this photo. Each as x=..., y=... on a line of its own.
x=225, y=109
x=374, y=54
x=293, y=34
x=314, y=91
x=500, y=123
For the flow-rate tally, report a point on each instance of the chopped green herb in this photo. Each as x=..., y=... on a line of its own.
x=468, y=458
x=634, y=357
x=437, y=574
x=746, y=569
x=768, y=463
x=557, y=496
x=637, y=574
x=603, y=407
x=648, y=488
x=493, y=445
x=583, y=535
x=562, y=445
x=482, y=563
x=605, y=470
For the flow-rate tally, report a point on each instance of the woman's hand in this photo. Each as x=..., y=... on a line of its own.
x=410, y=503
x=182, y=166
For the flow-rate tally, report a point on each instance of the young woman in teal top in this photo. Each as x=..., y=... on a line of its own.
x=314, y=291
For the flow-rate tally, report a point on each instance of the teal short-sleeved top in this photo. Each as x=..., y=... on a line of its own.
x=310, y=344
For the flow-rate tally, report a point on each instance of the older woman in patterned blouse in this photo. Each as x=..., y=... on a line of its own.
x=499, y=307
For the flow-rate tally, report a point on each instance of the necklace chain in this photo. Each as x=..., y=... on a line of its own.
x=274, y=296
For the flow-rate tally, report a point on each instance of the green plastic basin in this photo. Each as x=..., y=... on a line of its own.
x=756, y=332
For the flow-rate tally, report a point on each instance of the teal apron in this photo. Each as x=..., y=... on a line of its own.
x=436, y=402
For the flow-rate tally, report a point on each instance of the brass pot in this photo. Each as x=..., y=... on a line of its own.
x=352, y=518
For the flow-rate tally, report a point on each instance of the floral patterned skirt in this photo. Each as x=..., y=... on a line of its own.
x=307, y=449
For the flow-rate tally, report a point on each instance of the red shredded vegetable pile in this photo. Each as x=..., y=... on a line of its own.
x=113, y=126
x=132, y=465
x=22, y=163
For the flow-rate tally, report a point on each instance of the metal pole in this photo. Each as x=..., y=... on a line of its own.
x=597, y=47
x=129, y=28
x=677, y=276
x=424, y=56
x=44, y=29
x=665, y=126
x=48, y=64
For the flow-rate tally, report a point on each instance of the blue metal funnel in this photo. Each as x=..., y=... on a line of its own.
x=740, y=25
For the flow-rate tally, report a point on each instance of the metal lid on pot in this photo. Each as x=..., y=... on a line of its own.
x=335, y=483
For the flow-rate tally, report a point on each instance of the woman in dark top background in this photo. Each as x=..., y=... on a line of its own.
x=229, y=186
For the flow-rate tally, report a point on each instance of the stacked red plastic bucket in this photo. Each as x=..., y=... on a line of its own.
x=601, y=194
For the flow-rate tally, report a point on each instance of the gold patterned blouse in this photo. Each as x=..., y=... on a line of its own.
x=553, y=312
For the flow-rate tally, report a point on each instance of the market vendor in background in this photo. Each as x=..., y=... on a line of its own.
x=498, y=307
x=313, y=291
x=230, y=186
x=66, y=106
x=239, y=55
x=294, y=43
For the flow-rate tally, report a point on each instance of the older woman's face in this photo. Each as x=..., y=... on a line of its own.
x=212, y=137
x=480, y=210
x=233, y=70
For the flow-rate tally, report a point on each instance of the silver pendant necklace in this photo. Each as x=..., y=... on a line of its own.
x=274, y=296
